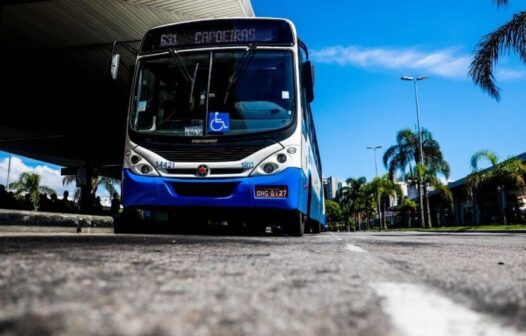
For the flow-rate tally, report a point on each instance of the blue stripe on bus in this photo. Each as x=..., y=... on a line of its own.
x=148, y=191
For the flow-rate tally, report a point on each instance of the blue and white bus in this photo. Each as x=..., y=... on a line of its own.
x=220, y=128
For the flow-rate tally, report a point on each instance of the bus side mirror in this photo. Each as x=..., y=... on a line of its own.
x=308, y=80
x=115, y=59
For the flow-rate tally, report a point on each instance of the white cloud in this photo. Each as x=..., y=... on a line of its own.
x=50, y=177
x=503, y=74
x=444, y=62
x=447, y=63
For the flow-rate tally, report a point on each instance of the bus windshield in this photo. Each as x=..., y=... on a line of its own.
x=248, y=91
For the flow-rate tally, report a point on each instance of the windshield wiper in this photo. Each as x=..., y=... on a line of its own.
x=193, y=85
x=238, y=70
x=178, y=61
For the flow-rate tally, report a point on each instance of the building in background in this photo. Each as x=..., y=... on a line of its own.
x=331, y=185
x=485, y=206
x=408, y=190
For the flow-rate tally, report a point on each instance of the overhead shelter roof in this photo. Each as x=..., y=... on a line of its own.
x=59, y=23
x=58, y=102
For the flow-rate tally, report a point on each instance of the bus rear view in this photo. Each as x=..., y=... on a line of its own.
x=220, y=130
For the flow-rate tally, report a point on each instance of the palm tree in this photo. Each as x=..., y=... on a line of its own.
x=29, y=183
x=510, y=36
x=333, y=211
x=434, y=165
x=406, y=207
x=509, y=173
x=107, y=183
x=350, y=198
x=401, y=156
x=430, y=178
x=404, y=156
x=385, y=188
x=366, y=204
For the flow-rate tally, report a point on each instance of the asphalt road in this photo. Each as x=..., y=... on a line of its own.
x=328, y=284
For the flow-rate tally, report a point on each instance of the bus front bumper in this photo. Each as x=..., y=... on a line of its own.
x=152, y=192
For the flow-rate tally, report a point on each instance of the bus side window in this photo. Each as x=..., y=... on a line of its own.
x=305, y=125
x=305, y=128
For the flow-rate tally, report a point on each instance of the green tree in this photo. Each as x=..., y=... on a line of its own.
x=333, y=211
x=29, y=183
x=107, y=183
x=509, y=173
x=406, y=208
x=368, y=202
x=508, y=37
x=351, y=199
x=429, y=176
x=384, y=188
x=404, y=156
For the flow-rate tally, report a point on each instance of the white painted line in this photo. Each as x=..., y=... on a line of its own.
x=417, y=310
x=333, y=236
x=354, y=248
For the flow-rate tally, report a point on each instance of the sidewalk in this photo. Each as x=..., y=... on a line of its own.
x=33, y=218
x=518, y=228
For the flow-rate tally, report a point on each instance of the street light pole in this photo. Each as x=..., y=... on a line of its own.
x=374, y=148
x=420, y=187
x=8, y=173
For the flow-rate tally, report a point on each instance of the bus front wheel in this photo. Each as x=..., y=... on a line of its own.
x=296, y=224
x=128, y=222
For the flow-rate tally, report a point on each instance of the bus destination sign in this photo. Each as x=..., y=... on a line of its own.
x=218, y=32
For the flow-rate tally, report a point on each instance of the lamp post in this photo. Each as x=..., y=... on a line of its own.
x=8, y=173
x=420, y=185
x=374, y=148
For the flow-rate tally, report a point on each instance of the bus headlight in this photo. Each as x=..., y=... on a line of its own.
x=282, y=158
x=135, y=159
x=137, y=164
x=269, y=167
x=278, y=162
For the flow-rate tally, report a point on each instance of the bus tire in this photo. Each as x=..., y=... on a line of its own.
x=128, y=222
x=315, y=226
x=296, y=224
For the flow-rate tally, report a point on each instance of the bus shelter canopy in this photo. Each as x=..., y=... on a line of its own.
x=58, y=102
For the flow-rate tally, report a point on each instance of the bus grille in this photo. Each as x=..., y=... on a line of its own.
x=208, y=154
x=213, y=171
x=224, y=189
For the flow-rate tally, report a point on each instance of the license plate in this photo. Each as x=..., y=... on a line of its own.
x=271, y=192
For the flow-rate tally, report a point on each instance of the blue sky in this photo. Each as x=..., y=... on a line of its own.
x=360, y=50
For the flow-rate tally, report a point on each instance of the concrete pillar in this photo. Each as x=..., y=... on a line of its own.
x=84, y=176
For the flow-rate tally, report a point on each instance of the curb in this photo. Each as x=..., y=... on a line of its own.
x=463, y=231
x=32, y=218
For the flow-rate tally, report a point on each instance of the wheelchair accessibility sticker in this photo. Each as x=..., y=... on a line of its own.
x=218, y=122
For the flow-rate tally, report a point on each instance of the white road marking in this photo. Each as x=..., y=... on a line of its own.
x=416, y=310
x=332, y=235
x=354, y=248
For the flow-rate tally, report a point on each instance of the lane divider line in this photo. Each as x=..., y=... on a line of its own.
x=417, y=310
x=354, y=248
